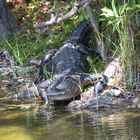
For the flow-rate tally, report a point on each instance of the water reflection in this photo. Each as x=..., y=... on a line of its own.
x=37, y=123
x=14, y=133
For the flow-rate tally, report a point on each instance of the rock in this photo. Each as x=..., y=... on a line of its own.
x=3, y=70
x=26, y=93
x=136, y=103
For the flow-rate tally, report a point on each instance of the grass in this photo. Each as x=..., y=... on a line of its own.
x=120, y=19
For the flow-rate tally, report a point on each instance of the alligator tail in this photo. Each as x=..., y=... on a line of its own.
x=81, y=35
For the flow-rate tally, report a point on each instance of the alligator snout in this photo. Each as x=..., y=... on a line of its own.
x=64, y=88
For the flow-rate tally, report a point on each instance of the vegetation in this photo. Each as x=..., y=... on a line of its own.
x=122, y=19
x=118, y=22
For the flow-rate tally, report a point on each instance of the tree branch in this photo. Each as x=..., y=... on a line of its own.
x=57, y=19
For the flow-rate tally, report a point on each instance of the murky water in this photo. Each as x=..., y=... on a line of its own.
x=37, y=123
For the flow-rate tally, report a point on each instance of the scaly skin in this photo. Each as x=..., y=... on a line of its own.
x=100, y=102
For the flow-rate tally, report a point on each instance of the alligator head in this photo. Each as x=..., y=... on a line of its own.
x=64, y=87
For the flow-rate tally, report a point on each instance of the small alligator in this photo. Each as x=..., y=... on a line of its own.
x=101, y=102
x=69, y=67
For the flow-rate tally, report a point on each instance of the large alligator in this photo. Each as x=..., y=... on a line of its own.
x=69, y=67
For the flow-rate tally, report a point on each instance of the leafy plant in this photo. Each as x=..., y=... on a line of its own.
x=119, y=18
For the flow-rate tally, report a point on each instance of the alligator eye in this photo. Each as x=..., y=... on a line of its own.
x=67, y=77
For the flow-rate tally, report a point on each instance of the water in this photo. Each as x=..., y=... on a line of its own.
x=36, y=123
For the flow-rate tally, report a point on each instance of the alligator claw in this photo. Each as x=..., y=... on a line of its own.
x=99, y=86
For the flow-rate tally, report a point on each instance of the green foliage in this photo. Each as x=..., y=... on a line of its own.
x=120, y=18
x=97, y=65
x=22, y=46
x=117, y=16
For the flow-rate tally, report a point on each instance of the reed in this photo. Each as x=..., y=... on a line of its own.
x=120, y=18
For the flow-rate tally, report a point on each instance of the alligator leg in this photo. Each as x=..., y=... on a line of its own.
x=41, y=63
x=98, y=80
x=99, y=85
x=42, y=90
x=89, y=52
x=49, y=55
x=45, y=60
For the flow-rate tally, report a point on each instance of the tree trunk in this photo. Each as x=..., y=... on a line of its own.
x=8, y=23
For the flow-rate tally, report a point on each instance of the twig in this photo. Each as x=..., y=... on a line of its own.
x=57, y=19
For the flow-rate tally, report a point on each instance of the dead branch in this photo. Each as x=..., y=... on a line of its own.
x=57, y=19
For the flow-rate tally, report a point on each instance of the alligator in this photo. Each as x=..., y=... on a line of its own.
x=69, y=67
x=102, y=102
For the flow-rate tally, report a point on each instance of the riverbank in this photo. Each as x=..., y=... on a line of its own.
x=17, y=84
